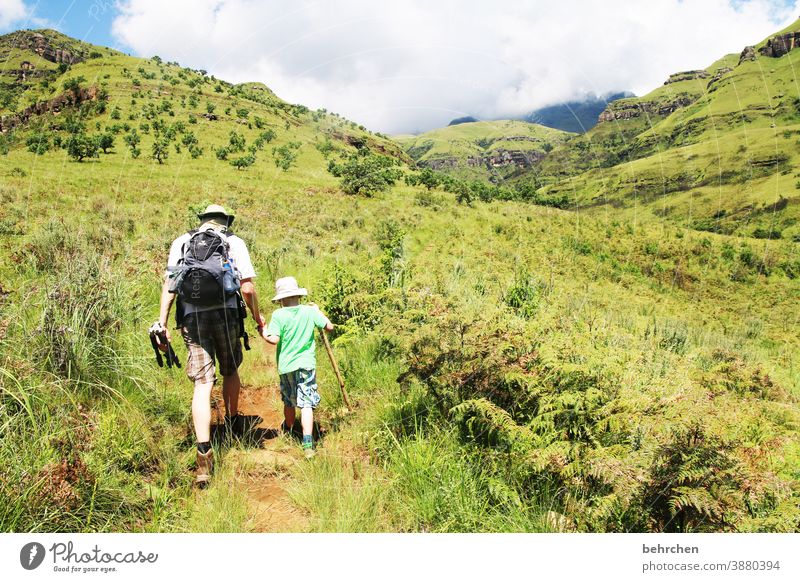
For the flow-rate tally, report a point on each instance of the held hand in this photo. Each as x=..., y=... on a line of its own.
x=261, y=321
x=159, y=333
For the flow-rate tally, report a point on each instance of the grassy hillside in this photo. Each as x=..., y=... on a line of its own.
x=476, y=150
x=722, y=161
x=514, y=367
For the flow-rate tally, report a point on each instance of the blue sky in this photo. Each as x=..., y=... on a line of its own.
x=88, y=20
x=412, y=65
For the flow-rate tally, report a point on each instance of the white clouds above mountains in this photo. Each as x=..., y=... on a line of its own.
x=416, y=64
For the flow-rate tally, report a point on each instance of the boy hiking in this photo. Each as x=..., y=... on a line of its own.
x=292, y=328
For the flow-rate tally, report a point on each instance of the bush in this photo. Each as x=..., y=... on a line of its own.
x=285, y=156
x=524, y=294
x=80, y=146
x=365, y=174
x=243, y=162
x=38, y=143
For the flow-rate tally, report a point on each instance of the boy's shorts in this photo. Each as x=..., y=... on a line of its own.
x=299, y=389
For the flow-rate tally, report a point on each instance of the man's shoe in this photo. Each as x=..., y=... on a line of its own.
x=205, y=466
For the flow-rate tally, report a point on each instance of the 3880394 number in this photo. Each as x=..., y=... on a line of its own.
x=755, y=565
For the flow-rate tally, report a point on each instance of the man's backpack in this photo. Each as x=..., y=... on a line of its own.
x=206, y=276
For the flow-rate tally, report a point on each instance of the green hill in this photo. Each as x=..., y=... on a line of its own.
x=514, y=367
x=713, y=150
x=482, y=149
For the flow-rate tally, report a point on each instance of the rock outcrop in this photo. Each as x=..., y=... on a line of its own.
x=37, y=43
x=779, y=45
x=55, y=105
x=748, y=54
x=628, y=110
x=718, y=74
x=498, y=159
x=686, y=76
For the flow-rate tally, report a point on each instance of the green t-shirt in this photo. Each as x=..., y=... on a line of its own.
x=295, y=326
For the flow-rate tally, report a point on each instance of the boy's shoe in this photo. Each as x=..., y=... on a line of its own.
x=205, y=466
x=309, y=453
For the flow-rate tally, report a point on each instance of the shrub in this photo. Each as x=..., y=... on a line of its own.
x=243, y=162
x=80, y=146
x=365, y=174
x=524, y=294
x=38, y=143
x=285, y=156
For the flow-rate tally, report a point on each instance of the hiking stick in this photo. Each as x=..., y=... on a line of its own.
x=328, y=349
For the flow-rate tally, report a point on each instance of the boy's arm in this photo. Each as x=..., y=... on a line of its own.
x=320, y=320
x=271, y=333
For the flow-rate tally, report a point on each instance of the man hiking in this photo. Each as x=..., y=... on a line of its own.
x=210, y=273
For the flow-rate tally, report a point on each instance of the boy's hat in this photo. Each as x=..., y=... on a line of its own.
x=215, y=210
x=287, y=287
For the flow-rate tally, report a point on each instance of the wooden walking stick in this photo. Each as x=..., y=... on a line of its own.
x=328, y=349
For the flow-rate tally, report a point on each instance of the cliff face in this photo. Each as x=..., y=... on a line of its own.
x=779, y=45
x=629, y=109
x=499, y=159
x=38, y=43
x=55, y=105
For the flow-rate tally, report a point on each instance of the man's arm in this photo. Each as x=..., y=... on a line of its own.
x=167, y=299
x=251, y=299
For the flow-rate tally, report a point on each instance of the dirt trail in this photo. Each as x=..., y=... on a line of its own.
x=263, y=462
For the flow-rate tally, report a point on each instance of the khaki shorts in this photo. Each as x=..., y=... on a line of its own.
x=211, y=335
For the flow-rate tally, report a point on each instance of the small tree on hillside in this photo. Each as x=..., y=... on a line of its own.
x=286, y=155
x=160, y=151
x=243, y=162
x=365, y=173
x=80, y=146
x=105, y=141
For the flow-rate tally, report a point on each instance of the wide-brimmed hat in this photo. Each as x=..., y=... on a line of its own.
x=287, y=287
x=216, y=210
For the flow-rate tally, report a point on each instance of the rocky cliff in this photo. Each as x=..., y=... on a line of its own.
x=55, y=105
x=39, y=44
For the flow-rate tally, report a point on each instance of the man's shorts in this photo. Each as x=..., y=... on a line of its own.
x=299, y=389
x=209, y=335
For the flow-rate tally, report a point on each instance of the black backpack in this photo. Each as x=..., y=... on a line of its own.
x=205, y=276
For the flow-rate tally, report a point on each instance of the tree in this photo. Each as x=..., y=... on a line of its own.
x=74, y=85
x=105, y=141
x=38, y=143
x=429, y=179
x=160, y=150
x=243, y=162
x=265, y=136
x=364, y=173
x=237, y=142
x=285, y=155
x=81, y=146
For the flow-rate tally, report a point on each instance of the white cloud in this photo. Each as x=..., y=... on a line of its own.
x=12, y=12
x=416, y=64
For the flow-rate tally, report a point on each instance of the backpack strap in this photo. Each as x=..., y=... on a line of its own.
x=242, y=317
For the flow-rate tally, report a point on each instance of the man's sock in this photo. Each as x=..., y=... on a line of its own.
x=307, y=441
x=203, y=448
